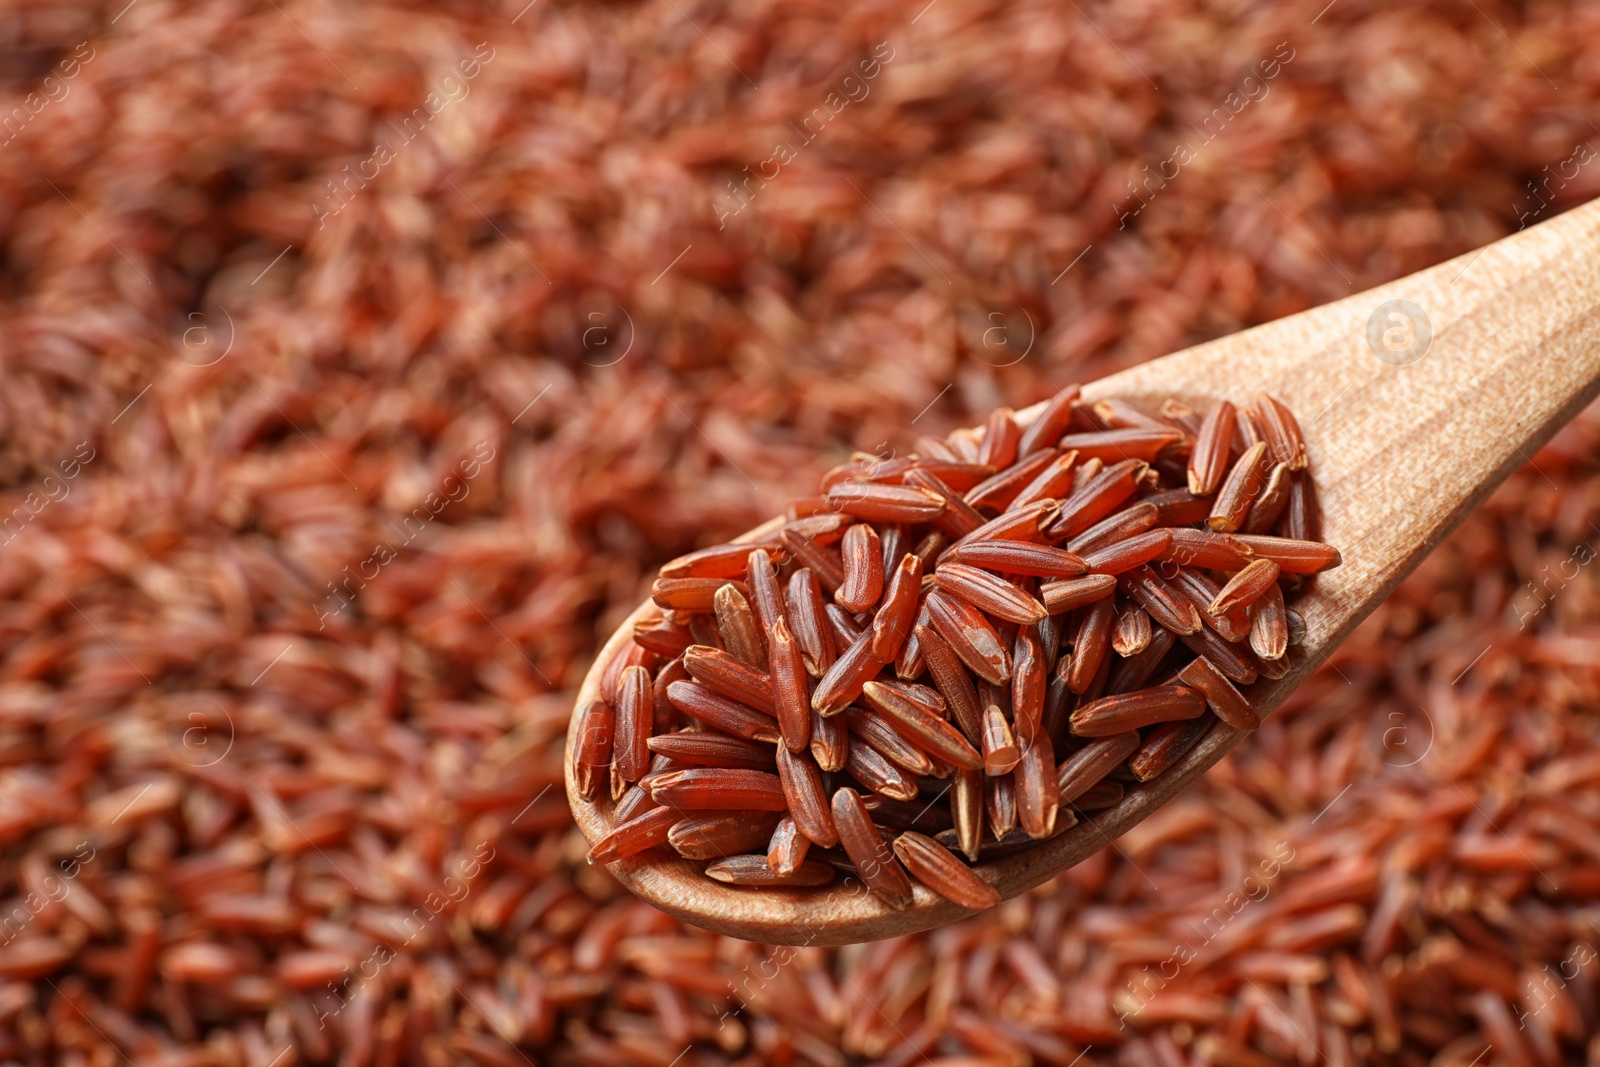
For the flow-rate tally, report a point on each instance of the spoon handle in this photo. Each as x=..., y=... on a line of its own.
x=1413, y=414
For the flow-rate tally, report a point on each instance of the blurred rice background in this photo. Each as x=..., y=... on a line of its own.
x=317, y=498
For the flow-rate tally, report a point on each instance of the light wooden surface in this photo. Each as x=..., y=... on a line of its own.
x=1400, y=453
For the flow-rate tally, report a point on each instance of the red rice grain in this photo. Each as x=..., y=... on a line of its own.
x=864, y=844
x=790, y=691
x=755, y=871
x=709, y=837
x=736, y=623
x=933, y=865
x=635, y=713
x=1245, y=588
x=808, y=619
x=1208, y=463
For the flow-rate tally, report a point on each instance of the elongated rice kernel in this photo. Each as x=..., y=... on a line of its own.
x=964, y=442
x=1101, y=495
x=824, y=527
x=1101, y=795
x=1019, y=557
x=891, y=626
x=1132, y=711
x=662, y=637
x=1208, y=463
x=689, y=594
x=756, y=871
x=1000, y=752
x=1207, y=549
x=830, y=741
x=713, y=836
x=665, y=718
x=1269, y=506
x=591, y=759
x=808, y=620
x=1165, y=745
x=1028, y=682
x=1225, y=702
x=935, y=867
x=1038, y=795
x=736, y=622
x=1000, y=439
x=1201, y=591
x=728, y=675
x=1239, y=490
x=952, y=473
x=1245, y=588
x=766, y=598
x=844, y=679
x=1058, y=700
x=703, y=631
x=719, y=789
x=927, y=729
x=1142, y=443
x=1084, y=474
x=719, y=561
x=801, y=783
x=1093, y=762
x=635, y=712
x=635, y=836
x=879, y=732
x=787, y=848
x=634, y=655
x=863, y=569
x=1166, y=606
x=1282, y=432
x=988, y=593
x=1052, y=481
x=953, y=682
x=929, y=548
x=1293, y=557
x=1118, y=526
x=845, y=629
x=958, y=518
x=1124, y=556
x=790, y=692
x=970, y=636
x=1229, y=658
x=966, y=811
x=1269, y=625
x=1050, y=424
x=864, y=845
x=1021, y=524
x=1000, y=804
x=910, y=664
x=885, y=503
x=712, y=708
x=1000, y=491
x=708, y=749
x=1069, y=593
x=1302, y=519
x=874, y=771
x=1092, y=645
x=1117, y=413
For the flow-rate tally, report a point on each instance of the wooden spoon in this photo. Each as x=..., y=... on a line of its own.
x=1406, y=435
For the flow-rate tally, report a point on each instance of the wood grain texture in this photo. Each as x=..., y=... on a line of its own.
x=1400, y=455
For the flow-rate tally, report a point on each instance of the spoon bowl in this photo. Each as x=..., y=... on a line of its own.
x=1415, y=399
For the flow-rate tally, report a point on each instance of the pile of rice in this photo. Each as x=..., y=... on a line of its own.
x=361, y=364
